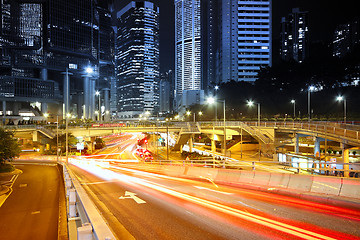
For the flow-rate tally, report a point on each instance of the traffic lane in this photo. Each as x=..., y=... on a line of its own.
x=31, y=211
x=162, y=216
x=286, y=209
x=239, y=219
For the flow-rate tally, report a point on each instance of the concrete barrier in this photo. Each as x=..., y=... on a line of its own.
x=173, y=170
x=279, y=180
x=327, y=185
x=300, y=182
x=350, y=188
x=199, y=172
x=246, y=176
x=262, y=178
x=226, y=175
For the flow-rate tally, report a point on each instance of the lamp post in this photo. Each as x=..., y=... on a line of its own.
x=97, y=93
x=294, y=102
x=251, y=103
x=216, y=88
x=340, y=99
x=311, y=88
x=212, y=100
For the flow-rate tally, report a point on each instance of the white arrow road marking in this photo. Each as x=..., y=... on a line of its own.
x=132, y=195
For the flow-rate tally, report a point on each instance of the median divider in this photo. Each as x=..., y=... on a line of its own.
x=84, y=220
x=327, y=185
x=300, y=182
x=350, y=188
x=280, y=180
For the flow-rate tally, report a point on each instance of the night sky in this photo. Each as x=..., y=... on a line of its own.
x=324, y=16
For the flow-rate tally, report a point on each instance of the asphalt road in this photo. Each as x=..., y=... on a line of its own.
x=31, y=211
x=142, y=205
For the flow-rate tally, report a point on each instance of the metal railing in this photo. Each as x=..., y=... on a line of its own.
x=82, y=212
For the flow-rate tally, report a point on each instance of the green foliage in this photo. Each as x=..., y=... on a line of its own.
x=99, y=143
x=6, y=168
x=9, y=147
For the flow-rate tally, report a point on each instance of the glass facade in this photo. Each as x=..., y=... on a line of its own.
x=294, y=36
x=40, y=39
x=137, y=59
x=187, y=46
x=245, y=43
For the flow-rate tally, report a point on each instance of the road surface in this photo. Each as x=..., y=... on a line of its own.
x=150, y=206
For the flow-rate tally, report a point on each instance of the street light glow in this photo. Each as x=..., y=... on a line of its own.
x=292, y=101
x=340, y=98
x=211, y=100
x=97, y=93
x=250, y=103
x=188, y=113
x=89, y=70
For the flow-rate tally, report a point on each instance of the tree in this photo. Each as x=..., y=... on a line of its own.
x=9, y=147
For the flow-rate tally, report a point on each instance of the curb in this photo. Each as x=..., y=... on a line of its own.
x=15, y=172
x=4, y=189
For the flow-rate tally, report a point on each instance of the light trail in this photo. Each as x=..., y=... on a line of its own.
x=254, y=218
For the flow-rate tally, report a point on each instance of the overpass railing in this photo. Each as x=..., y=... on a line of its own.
x=335, y=129
x=84, y=220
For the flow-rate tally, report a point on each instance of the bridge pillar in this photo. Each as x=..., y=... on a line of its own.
x=3, y=111
x=296, y=143
x=317, y=147
x=191, y=144
x=213, y=146
x=345, y=157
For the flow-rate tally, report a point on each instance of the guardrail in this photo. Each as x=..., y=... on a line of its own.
x=82, y=212
x=270, y=181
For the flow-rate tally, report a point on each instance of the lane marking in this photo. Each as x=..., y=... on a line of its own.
x=132, y=196
x=5, y=196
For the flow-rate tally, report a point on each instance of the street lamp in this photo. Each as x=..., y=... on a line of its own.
x=251, y=103
x=294, y=102
x=212, y=100
x=97, y=93
x=339, y=99
x=311, y=88
x=216, y=88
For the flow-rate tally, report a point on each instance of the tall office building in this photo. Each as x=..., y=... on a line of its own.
x=345, y=37
x=188, y=86
x=39, y=41
x=137, y=59
x=245, y=38
x=294, y=36
x=210, y=16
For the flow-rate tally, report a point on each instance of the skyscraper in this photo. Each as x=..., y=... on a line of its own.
x=39, y=41
x=294, y=36
x=245, y=38
x=137, y=58
x=345, y=37
x=187, y=52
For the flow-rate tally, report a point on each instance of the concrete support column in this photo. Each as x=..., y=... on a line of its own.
x=296, y=143
x=345, y=157
x=3, y=111
x=213, y=146
x=44, y=74
x=4, y=108
x=92, y=99
x=44, y=107
x=16, y=108
x=317, y=147
x=191, y=144
x=86, y=97
x=107, y=104
x=66, y=92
